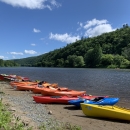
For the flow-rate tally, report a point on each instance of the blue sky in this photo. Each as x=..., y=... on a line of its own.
x=34, y=27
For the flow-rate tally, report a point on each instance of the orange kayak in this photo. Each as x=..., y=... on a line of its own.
x=38, y=89
x=35, y=87
x=15, y=83
x=25, y=87
x=61, y=92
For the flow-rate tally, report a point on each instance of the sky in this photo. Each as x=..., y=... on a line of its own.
x=34, y=27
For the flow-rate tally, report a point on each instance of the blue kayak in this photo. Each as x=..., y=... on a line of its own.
x=96, y=101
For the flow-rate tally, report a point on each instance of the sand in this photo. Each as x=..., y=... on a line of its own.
x=65, y=113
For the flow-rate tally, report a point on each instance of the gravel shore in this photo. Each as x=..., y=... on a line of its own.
x=23, y=106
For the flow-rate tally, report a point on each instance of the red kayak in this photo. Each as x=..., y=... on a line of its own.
x=53, y=99
x=60, y=99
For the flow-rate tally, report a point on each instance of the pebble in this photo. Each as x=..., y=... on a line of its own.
x=35, y=111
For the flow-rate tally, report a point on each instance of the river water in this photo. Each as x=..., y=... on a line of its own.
x=111, y=82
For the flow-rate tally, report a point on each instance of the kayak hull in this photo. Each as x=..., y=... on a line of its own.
x=108, y=112
x=96, y=101
x=53, y=99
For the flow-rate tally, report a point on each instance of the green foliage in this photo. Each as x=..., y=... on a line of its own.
x=112, y=66
x=107, y=59
x=126, y=52
x=1, y=63
x=100, y=51
x=118, y=60
x=7, y=63
x=79, y=61
x=56, y=125
x=93, y=56
x=88, y=59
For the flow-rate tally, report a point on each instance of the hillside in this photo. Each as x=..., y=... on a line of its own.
x=109, y=50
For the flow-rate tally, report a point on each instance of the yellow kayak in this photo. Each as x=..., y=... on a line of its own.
x=111, y=112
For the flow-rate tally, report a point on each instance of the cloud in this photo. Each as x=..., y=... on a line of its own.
x=33, y=4
x=30, y=52
x=2, y=57
x=36, y=30
x=99, y=30
x=94, y=22
x=33, y=44
x=64, y=37
x=81, y=25
x=16, y=53
x=96, y=27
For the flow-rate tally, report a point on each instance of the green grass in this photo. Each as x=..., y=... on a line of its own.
x=52, y=124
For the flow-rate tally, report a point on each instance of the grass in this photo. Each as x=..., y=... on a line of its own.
x=55, y=125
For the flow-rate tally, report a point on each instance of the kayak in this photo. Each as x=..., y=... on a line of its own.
x=21, y=83
x=25, y=87
x=39, y=88
x=53, y=99
x=97, y=101
x=59, y=99
x=61, y=92
x=107, y=111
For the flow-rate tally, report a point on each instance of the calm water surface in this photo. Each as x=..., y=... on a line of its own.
x=112, y=82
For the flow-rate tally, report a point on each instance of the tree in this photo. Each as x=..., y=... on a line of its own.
x=93, y=56
x=60, y=62
x=107, y=59
x=118, y=60
x=1, y=63
x=71, y=60
x=87, y=58
x=79, y=61
x=126, y=52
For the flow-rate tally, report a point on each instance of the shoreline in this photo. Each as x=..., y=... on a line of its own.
x=22, y=104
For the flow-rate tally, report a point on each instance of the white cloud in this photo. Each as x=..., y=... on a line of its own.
x=2, y=57
x=64, y=37
x=96, y=27
x=33, y=44
x=33, y=4
x=94, y=22
x=36, y=30
x=30, y=52
x=99, y=30
x=16, y=53
x=54, y=3
x=81, y=25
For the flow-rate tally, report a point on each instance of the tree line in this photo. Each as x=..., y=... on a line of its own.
x=8, y=63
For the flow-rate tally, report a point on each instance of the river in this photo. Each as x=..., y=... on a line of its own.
x=111, y=82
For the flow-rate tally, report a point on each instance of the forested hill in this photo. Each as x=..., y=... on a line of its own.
x=109, y=50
